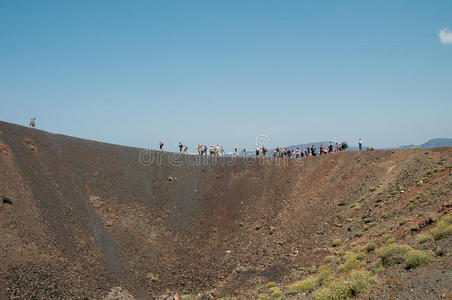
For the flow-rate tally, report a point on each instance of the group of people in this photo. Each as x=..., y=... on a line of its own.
x=212, y=150
x=202, y=149
x=238, y=150
x=312, y=151
x=182, y=148
x=261, y=151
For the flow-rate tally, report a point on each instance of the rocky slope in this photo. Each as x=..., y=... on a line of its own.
x=82, y=219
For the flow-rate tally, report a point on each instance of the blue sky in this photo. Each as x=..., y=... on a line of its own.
x=223, y=72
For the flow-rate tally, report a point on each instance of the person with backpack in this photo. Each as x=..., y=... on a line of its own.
x=33, y=122
x=313, y=150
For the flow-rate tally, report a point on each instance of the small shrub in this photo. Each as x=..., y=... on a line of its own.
x=393, y=254
x=345, y=287
x=390, y=240
x=422, y=238
x=336, y=242
x=331, y=259
x=360, y=256
x=370, y=246
x=414, y=258
x=263, y=297
x=270, y=284
x=304, y=285
x=336, y=289
x=372, y=189
x=411, y=207
x=357, y=207
x=360, y=281
x=187, y=297
x=378, y=267
x=324, y=273
x=351, y=262
x=276, y=292
x=443, y=228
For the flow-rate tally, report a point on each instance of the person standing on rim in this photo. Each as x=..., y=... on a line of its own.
x=360, y=143
x=161, y=146
x=33, y=122
x=180, y=147
x=313, y=151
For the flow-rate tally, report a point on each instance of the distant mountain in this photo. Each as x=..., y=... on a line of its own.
x=434, y=143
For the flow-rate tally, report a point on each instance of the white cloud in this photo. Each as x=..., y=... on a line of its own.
x=445, y=35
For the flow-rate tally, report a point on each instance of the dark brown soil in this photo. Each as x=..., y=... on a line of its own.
x=86, y=217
